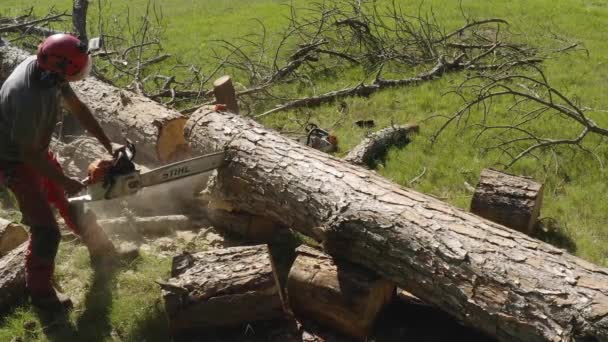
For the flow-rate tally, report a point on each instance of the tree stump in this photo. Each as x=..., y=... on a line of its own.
x=11, y=236
x=340, y=294
x=510, y=200
x=221, y=288
x=225, y=94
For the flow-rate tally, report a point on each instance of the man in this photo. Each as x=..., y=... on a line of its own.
x=30, y=105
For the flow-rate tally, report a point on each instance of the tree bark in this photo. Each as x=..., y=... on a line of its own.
x=11, y=236
x=501, y=281
x=375, y=146
x=79, y=19
x=342, y=295
x=510, y=200
x=156, y=130
x=12, y=277
x=221, y=288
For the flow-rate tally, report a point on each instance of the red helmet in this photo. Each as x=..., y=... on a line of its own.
x=63, y=54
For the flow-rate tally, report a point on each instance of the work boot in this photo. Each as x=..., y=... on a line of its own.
x=52, y=302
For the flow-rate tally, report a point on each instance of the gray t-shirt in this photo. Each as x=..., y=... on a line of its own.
x=30, y=108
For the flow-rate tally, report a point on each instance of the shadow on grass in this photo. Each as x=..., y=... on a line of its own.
x=94, y=323
x=153, y=327
x=551, y=231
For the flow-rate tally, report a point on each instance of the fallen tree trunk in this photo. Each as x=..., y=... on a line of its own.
x=221, y=288
x=11, y=236
x=375, y=146
x=155, y=129
x=12, y=277
x=339, y=294
x=503, y=282
x=510, y=200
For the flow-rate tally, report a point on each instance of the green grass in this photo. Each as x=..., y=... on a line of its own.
x=125, y=304
x=574, y=214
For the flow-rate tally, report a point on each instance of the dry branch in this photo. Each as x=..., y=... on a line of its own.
x=530, y=99
x=79, y=18
x=375, y=145
x=500, y=281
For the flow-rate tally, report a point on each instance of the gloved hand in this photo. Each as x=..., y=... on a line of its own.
x=72, y=186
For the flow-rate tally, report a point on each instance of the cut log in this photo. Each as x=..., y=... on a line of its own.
x=154, y=225
x=12, y=277
x=339, y=294
x=221, y=288
x=11, y=236
x=376, y=145
x=225, y=94
x=510, y=200
x=501, y=281
x=156, y=130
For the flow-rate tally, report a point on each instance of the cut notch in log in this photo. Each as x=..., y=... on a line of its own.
x=171, y=145
x=225, y=94
x=339, y=294
x=375, y=146
x=513, y=201
x=252, y=227
x=221, y=288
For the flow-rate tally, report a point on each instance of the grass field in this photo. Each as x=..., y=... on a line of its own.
x=574, y=212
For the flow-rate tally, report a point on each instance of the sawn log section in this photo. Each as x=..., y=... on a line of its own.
x=503, y=282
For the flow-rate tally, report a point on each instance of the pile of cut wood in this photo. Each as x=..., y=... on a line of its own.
x=498, y=280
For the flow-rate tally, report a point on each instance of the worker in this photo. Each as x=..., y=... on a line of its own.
x=31, y=100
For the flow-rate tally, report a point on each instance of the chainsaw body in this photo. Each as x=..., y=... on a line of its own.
x=109, y=179
x=320, y=139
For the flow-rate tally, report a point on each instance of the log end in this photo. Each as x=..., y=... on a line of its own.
x=341, y=295
x=222, y=81
x=511, y=200
x=12, y=277
x=11, y=236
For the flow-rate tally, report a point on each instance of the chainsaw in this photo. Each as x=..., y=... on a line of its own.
x=118, y=177
x=320, y=139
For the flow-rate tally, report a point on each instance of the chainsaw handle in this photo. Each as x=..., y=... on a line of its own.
x=127, y=150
